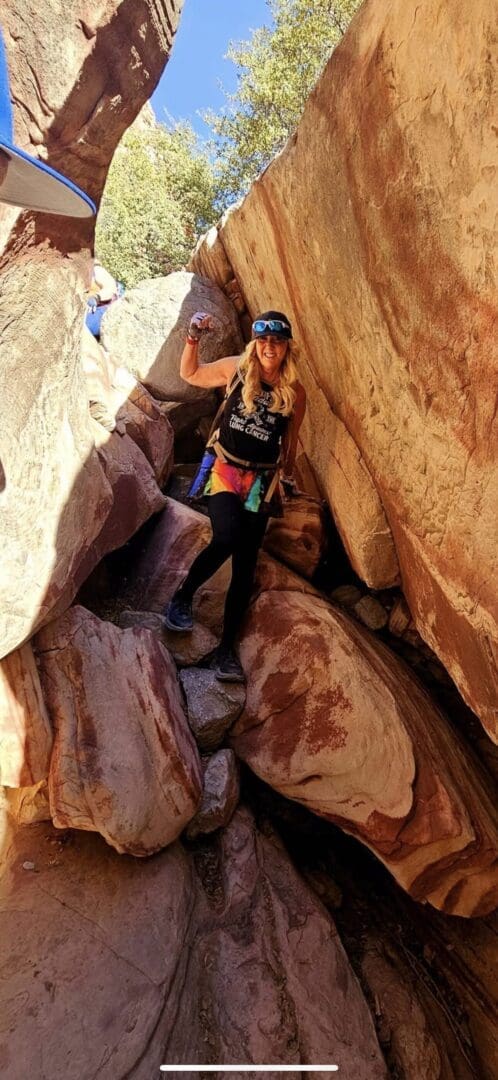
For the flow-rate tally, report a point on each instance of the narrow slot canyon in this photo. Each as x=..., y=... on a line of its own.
x=298, y=868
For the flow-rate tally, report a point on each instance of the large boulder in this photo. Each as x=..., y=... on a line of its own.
x=333, y=720
x=217, y=956
x=389, y=285
x=145, y=331
x=77, y=84
x=124, y=762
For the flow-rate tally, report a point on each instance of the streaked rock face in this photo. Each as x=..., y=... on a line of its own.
x=299, y=537
x=375, y=230
x=124, y=762
x=335, y=721
x=26, y=735
x=77, y=83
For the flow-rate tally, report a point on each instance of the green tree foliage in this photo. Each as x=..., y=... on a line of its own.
x=279, y=67
x=157, y=199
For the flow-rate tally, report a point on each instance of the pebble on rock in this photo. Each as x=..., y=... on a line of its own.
x=347, y=595
x=371, y=613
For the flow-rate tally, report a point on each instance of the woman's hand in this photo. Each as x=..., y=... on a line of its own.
x=199, y=322
x=209, y=376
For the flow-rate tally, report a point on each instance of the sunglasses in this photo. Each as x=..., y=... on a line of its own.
x=270, y=326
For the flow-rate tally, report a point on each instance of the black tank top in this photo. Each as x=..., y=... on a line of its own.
x=256, y=437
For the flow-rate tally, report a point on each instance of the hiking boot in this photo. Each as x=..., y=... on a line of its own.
x=228, y=667
x=178, y=614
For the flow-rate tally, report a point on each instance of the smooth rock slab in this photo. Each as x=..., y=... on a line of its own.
x=117, y=965
x=220, y=796
x=124, y=762
x=118, y=400
x=212, y=706
x=145, y=331
x=149, y=428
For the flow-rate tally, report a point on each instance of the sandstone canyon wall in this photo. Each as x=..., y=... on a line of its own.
x=79, y=76
x=375, y=230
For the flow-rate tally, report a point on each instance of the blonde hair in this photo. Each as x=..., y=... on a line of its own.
x=283, y=396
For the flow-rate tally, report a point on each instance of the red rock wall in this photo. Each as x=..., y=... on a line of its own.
x=375, y=230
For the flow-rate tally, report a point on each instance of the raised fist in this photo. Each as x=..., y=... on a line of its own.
x=199, y=322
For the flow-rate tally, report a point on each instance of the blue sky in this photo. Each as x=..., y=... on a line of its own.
x=190, y=79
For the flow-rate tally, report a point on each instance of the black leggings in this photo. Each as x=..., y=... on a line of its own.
x=236, y=532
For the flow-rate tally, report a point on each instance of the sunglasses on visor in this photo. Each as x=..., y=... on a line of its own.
x=270, y=326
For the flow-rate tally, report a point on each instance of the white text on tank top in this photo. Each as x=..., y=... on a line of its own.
x=257, y=424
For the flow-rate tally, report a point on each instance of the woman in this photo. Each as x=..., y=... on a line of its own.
x=257, y=434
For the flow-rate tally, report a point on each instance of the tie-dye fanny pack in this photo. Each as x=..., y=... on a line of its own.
x=214, y=477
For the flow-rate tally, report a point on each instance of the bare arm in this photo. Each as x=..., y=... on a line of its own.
x=209, y=376
x=291, y=435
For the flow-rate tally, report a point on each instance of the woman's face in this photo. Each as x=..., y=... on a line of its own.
x=271, y=351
